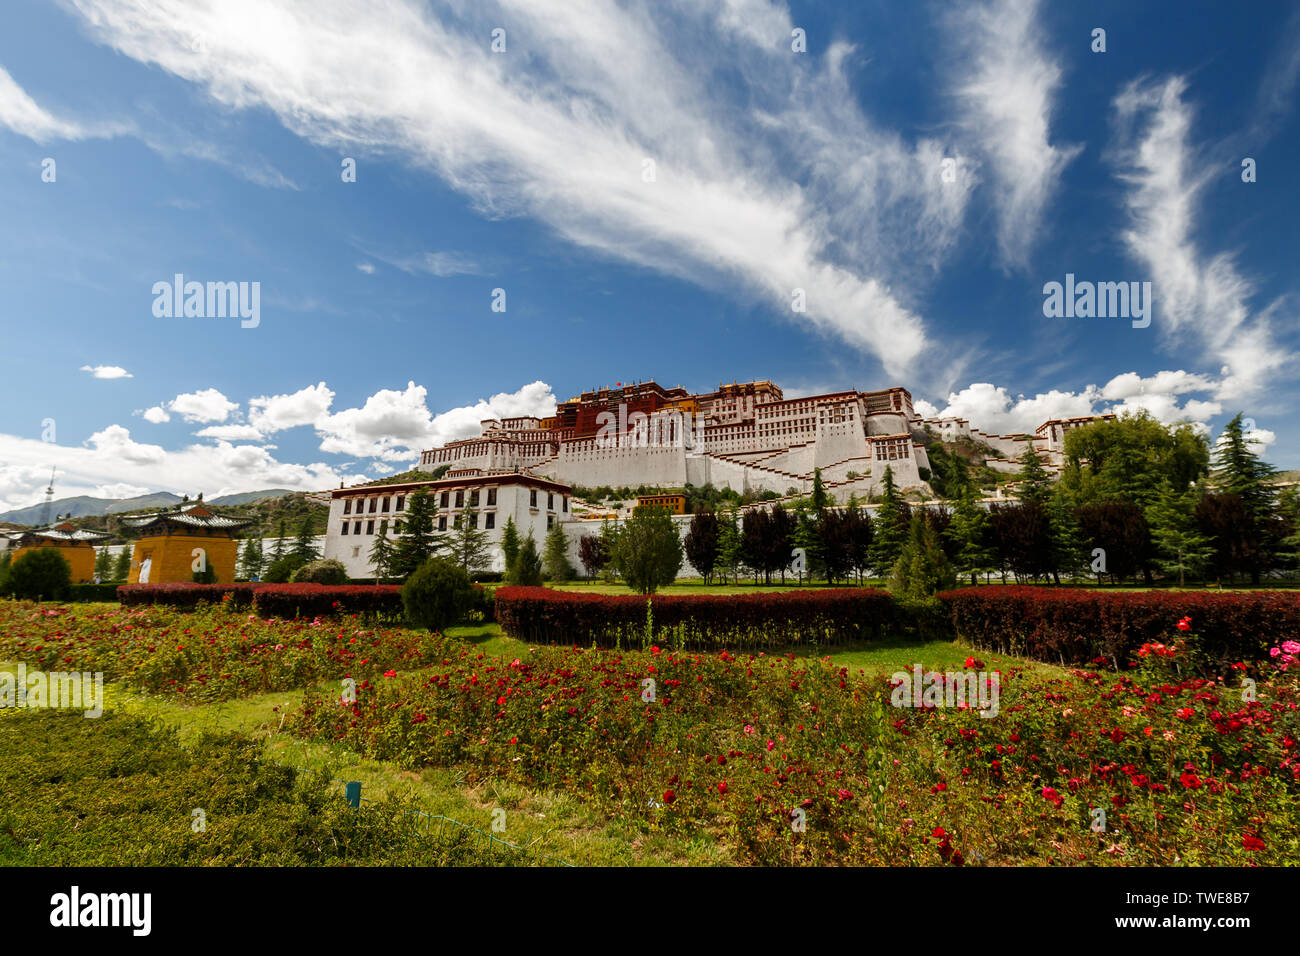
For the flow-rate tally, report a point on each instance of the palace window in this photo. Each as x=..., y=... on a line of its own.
x=374, y=503
x=473, y=499
x=442, y=523
x=460, y=499
x=550, y=503
x=490, y=520
x=370, y=527
x=356, y=527
x=345, y=527
x=385, y=507
x=444, y=498
x=401, y=503
x=347, y=506
x=492, y=496
x=532, y=498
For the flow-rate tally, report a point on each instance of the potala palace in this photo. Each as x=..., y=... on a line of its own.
x=746, y=437
x=742, y=436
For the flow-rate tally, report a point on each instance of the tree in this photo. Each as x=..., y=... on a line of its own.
x=382, y=553
x=729, y=545
x=555, y=557
x=767, y=540
x=969, y=533
x=103, y=564
x=40, y=574
x=593, y=554
x=860, y=537
x=510, y=543
x=1022, y=535
x=1119, y=531
x=891, y=525
x=418, y=543
x=469, y=544
x=1181, y=547
x=527, y=568
x=1068, y=554
x=1126, y=458
x=304, y=546
x=122, y=566
x=922, y=569
x=703, y=540
x=648, y=550
x=326, y=571
x=277, y=552
x=837, y=543
x=1033, y=481
x=250, y=560
x=1238, y=470
x=437, y=595
x=282, y=570
x=808, y=529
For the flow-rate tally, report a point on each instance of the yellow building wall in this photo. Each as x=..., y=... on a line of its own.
x=80, y=558
x=173, y=557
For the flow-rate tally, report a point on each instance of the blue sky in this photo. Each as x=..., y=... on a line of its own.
x=207, y=139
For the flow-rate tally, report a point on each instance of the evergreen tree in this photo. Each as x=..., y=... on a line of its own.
x=250, y=560
x=510, y=543
x=382, y=553
x=527, y=568
x=122, y=565
x=891, y=525
x=468, y=543
x=809, y=527
x=1180, y=546
x=969, y=533
x=860, y=537
x=1068, y=554
x=304, y=546
x=922, y=569
x=729, y=549
x=419, y=542
x=1034, y=483
x=648, y=550
x=103, y=564
x=1240, y=472
x=702, y=543
x=555, y=559
x=820, y=499
x=278, y=552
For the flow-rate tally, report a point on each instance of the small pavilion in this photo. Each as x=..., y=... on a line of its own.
x=172, y=543
x=77, y=545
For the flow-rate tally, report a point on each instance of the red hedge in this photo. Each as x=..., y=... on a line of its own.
x=185, y=595
x=1076, y=625
x=322, y=600
x=836, y=616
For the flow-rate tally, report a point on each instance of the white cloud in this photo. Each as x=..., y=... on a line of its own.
x=1008, y=83
x=121, y=489
x=156, y=415
x=992, y=408
x=366, y=267
x=440, y=264
x=307, y=406
x=107, y=371
x=208, y=405
x=1205, y=298
x=24, y=116
x=559, y=131
x=230, y=432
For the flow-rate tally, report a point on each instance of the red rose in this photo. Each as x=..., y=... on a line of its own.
x=669, y=796
x=722, y=787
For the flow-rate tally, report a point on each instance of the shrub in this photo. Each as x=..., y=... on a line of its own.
x=438, y=595
x=92, y=592
x=282, y=569
x=544, y=616
x=383, y=601
x=43, y=573
x=325, y=571
x=1077, y=626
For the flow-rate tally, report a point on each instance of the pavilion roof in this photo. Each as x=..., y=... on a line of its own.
x=192, y=515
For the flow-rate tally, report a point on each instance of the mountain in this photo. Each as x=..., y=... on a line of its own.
x=83, y=506
x=245, y=497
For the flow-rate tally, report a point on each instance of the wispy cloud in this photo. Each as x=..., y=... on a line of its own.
x=25, y=116
x=1007, y=84
x=561, y=125
x=1201, y=296
x=107, y=371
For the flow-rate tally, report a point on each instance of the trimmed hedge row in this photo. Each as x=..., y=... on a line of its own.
x=92, y=592
x=185, y=595
x=1078, y=626
x=837, y=616
x=384, y=601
